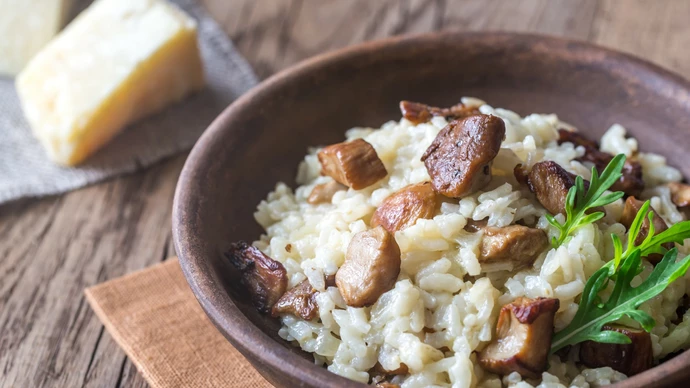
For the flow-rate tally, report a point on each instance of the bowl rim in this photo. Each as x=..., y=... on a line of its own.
x=254, y=343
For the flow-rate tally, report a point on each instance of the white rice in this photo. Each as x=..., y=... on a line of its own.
x=437, y=254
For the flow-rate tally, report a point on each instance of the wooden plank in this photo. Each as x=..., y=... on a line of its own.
x=657, y=31
x=55, y=248
x=277, y=33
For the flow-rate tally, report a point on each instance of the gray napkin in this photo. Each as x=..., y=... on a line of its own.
x=26, y=171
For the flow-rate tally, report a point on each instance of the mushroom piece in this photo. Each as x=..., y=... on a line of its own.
x=473, y=226
x=324, y=192
x=299, y=301
x=549, y=182
x=460, y=157
x=401, y=370
x=264, y=278
x=523, y=338
x=402, y=209
x=418, y=113
x=371, y=267
x=680, y=194
x=630, y=210
x=630, y=183
x=629, y=359
x=511, y=247
x=354, y=164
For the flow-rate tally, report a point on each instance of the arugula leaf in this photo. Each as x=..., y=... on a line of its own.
x=593, y=314
x=677, y=233
x=653, y=243
x=579, y=201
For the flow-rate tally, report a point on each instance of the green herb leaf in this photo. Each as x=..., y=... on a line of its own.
x=653, y=243
x=624, y=300
x=580, y=201
x=610, y=337
x=593, y=313
x=676, y=234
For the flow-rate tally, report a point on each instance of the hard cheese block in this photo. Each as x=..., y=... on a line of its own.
x=118, y=61
x=25, y=27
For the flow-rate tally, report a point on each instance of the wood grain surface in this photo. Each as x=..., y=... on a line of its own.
x=51, y=249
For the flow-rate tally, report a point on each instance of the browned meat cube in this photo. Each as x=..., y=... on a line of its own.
x=264, y=278
x=511, y=247
x=299, y=301
x=324, y=192
x=459, y=159
x=405, y=207
x=523, y=338
x=632, y=207
x=354, y=164
x=372, y=265
x=680, y=194
x=631, y=182
x=629, y=359
x=421, y=113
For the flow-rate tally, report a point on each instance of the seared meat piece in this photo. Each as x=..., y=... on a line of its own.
x=385, y=384
x=372, y=265
x=324, y=192
x=459, y=159
x=549, y=182
x=511, y=247
x=523, y=338
x=632, y=207
x=419, y=113
x=680, y=194
x=299, y=301
x=405, y=207
x=354, y=164
x=629, y=359
x=631, y=182
x=264, y=278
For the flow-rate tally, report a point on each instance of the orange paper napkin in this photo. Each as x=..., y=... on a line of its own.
x=154, y=317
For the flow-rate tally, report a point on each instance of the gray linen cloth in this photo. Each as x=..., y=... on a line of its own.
x=26, y=171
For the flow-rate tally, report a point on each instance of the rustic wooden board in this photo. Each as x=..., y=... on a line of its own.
x=51, y=249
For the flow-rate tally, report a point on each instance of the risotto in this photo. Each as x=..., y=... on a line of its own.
x=410, y=255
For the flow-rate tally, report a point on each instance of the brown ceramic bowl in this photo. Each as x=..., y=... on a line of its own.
x=260, y=139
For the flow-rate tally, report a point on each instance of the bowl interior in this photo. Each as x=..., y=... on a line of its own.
x=261, y=138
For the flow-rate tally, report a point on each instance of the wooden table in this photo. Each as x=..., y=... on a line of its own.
x=51, y=249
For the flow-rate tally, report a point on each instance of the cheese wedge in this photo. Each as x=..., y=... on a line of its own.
x=117, y=62
x=25, y=27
